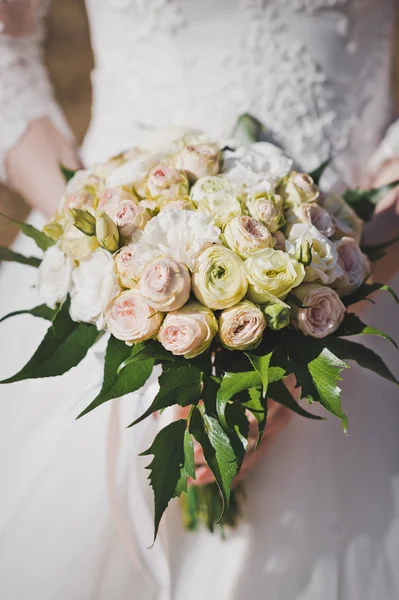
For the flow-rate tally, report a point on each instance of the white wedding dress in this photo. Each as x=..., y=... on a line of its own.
x=322, y=512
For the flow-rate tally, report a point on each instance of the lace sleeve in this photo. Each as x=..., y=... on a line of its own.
x=387, y=150
x=25, y=90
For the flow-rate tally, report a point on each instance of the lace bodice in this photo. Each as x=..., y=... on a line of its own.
x=316, y=72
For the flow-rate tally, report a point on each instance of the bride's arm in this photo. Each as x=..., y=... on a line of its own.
x=34, y=136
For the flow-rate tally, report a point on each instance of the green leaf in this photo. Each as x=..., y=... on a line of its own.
x=65, y=344
x=116, y=385
x=366, y=358
x=149, y=350
x=279, y=393
x=188, y=469
x=257, y=405
x=41, y=239
x=248, y=129
x=8, y=255
x=261, y=366
x=364, y=201
x=167, y=466
x=67, y=173
x=231, y=385
x=377, y=251
x=317, y=174
x=352, y=325
x=366, y=289
x=218, y=452
x=176, y=386
x=42, y=311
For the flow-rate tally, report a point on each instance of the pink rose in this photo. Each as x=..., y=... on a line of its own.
x=241, y=326
x=355, y=266
x=125, y=266
x=198, y=160
x=165, y=284
x=166, y=182
x=130, y=318
x=324, y=313
x=130, y=216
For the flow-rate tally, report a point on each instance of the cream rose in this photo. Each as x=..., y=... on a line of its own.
x=246, y=235
x=355, y=266
x=241, y=327
x=272, y=272
x=198, y=160
x=219, y=278
x=268, y=209
x=188, y=331
x=112, y=197
x=346, y=221
x=131, y=319
x=312, y=215
x=298, y=188
x=125, y=266
x=133, y=173
x=324, y=313
x=166, y=182
x=75, y=244
x=94, y=286
x=165, y=284
x=130, y=216
x=54, y=277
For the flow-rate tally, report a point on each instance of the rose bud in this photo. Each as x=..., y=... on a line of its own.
x=277, y=312
x=165, y=182
x=76, y=244
x=130, y=318
x=298, y=188
x=246, y=235
x=241, y=327
x=311, y=214
x=125, y=266
x=198, y=160
x=130, y=216
x=268, y=209
x=355, y=266
x=84, y=221
x=303, y=253
x=165, y=284
x=107, y=232
x=178, y=204
x=273, y=272
x=219, y=278
x=112, y=197
x=324, y=310
x=346, y=221
x=188, y=331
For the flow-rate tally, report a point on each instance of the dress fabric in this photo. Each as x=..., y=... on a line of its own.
x=322, y=512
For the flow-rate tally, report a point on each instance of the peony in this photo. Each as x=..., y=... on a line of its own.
x=246, y=235
x=241, y=326
x=324, y=266
x=272, y=272
x=268, y=209
x=130, y=216
x=198, y=160
x=181, y=235
x=165, y=284
x=54, y=277
x=312, y=215
x=131, y=319
x=125, y=266
x=166, y=182
x=298, y=188
x=355, y=266
x=188, y=331
x=94, y=286
x=75, y=244
x=258, y=167
x=346, y=221
x=219, y=278
x=324, y=313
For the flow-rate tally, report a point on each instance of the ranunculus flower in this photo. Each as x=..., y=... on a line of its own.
x=165, y=284
x=165, y=182
x=130, y=216
x=312, y=215
x=219, y=278
x=241, y=326
x=218, y=197
x=54, y=277
x=246, y=235
x=268, y=209
x=188, y=331
x=324, y=314
x=258, y=167
x=94, y=286
x=112, y=197
x=131, y=319
x=179, y=204
x=210, y=185
x=75, y=244
x=298, y=188
x=125, y=266
x=198, y=160
x=324, y=266
x=346, y=221
x=355, y=266
x=272, y=272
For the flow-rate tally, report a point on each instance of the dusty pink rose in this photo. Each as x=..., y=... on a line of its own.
x=198, y=160
x=125, y=266
x=166, y=182
x=324, y=313
x=241, y=326
x=130, y=216
x=355, y=266
x=130, y=318
x=112, y=197
x=165, y=284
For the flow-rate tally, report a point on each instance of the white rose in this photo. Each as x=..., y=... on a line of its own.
x=268, y=209
x=94, y=286
x=54, y=277
x=125, y=266
x=355, y=265
x=217, y=196
x=298, y=188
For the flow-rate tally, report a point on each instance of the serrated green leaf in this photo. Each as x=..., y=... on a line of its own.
x=377, y=251
x=218, y=452
x=188, y=469
x=257, y=405
x=8, y=255
x=67, y=173
x=364, y=202
x=167, y=466
x=41, y=239
x=279, y=393
x=116, y=385
x=176, y=386
x=149, y=350
x=231, y=385
x=366, y=289
x=352, y=325
x=317, y=174
x=65, y=344
x=261, y=366
x=42, y=311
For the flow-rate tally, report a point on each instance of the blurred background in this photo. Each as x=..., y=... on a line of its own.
x=70, y=61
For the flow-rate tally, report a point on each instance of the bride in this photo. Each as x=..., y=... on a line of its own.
x=322, y=510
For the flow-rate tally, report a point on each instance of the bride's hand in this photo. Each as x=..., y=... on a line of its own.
x=33, y=165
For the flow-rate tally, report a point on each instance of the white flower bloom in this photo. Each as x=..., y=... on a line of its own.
x=94, y=286
x=54, y=277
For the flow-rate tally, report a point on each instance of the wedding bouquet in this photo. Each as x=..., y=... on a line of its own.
x=224, y=266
